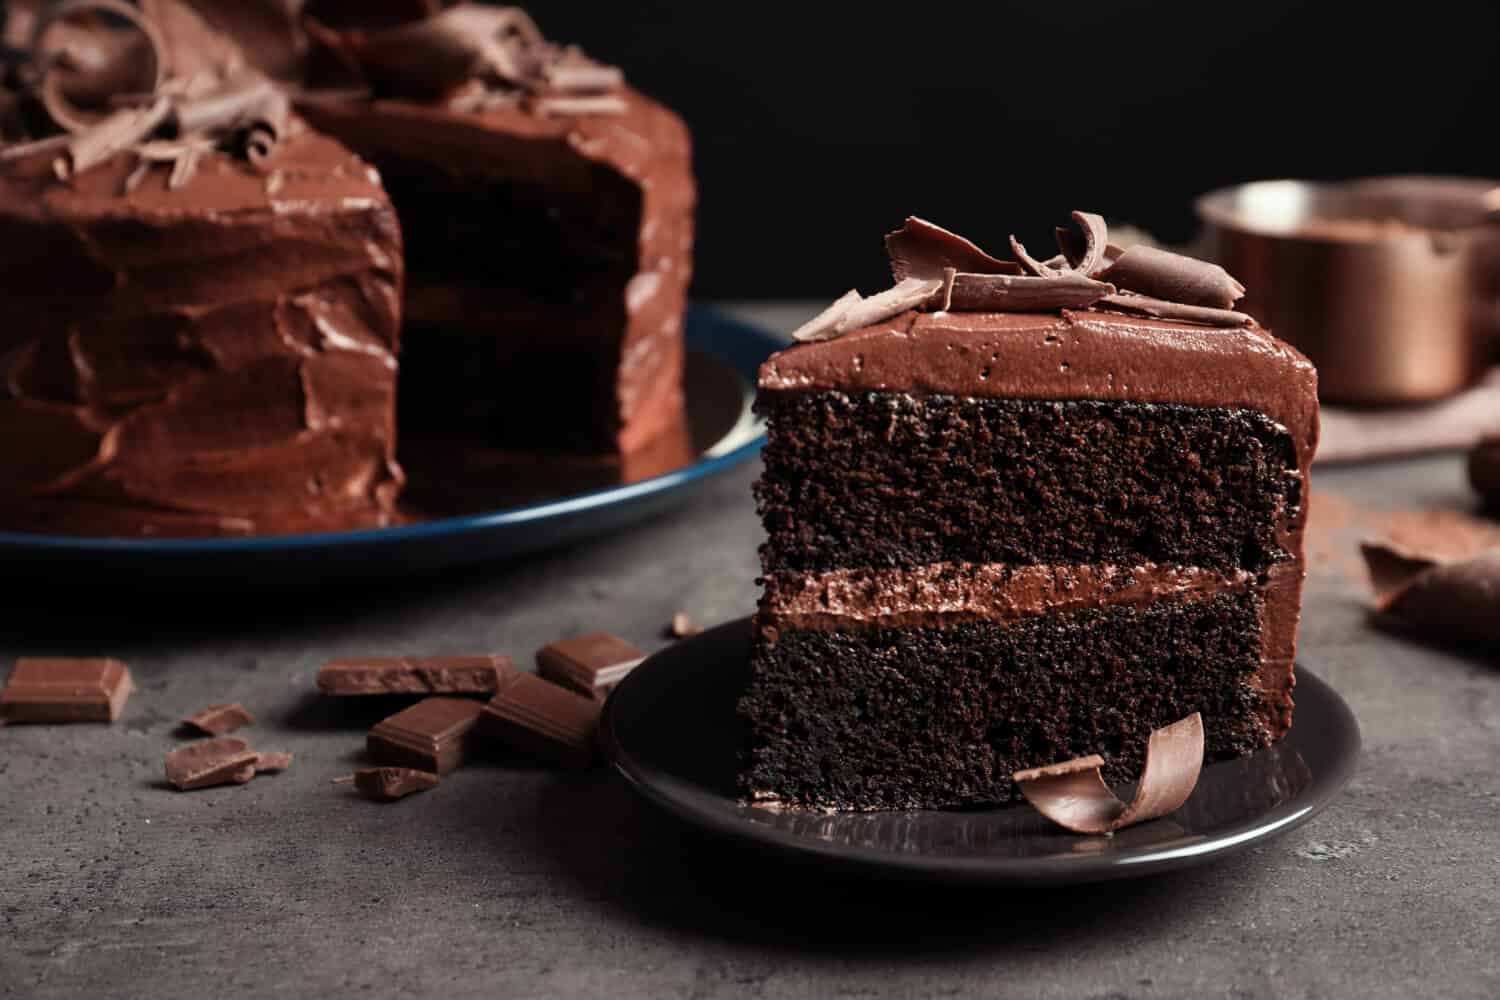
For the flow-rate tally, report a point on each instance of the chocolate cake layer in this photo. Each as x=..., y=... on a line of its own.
x=218, y=358
x=554, y=246
x=910, y=718
x=881, y=480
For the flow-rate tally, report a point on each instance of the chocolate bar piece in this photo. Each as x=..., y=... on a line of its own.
x=545, y=720
x=272, y=761
x=211, y=762
x=387, y=784
x=65, y=689
x=218, y=720
x=363, y=675
x=590, y=664
x=431, y=735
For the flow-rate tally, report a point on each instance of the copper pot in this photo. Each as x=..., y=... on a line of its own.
x=1390, y=285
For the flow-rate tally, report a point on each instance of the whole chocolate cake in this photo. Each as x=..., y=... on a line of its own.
x=547, y=210
x=202, y=295
x=1019, y=512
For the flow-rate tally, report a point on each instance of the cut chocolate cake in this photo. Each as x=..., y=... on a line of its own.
x=201, y=295
x=547, y=210
x=1021, y=512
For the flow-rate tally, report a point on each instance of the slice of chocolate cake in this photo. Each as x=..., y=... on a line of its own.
x=201, y=295
x=1021, y=512
x=547, y=210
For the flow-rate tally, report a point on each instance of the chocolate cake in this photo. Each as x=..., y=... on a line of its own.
x=202, y=295
x=1019, y=512
x=547, y=210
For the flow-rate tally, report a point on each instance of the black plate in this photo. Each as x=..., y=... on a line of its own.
x=671, y=730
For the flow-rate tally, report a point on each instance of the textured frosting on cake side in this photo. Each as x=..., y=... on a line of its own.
x=213, y=359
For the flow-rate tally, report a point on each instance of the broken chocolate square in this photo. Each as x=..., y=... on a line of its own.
x=590, y=664
x=370, y=675
x=431, y=735
x=544, y=720
x=65, y=689
x=219, y=720
x=387, y=784
x=211, y=762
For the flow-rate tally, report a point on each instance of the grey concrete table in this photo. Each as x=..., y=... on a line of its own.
x=510, y=882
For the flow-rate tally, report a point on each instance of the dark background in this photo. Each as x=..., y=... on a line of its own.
x=819, y=126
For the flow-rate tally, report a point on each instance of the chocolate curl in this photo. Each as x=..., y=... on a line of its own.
x=428, y=59
x=1448, y=600
x=1025, y=293
x=1074, y=796
x=920, y=249
x=120, y=131
x=1144, y=305
x=1173, y=277
x=1029, y=264
x=91, y=70
x=853, y=310
x=1093, y=233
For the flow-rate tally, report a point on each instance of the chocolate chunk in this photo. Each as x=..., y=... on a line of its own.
x=1484, y=469
x=63, y=689
x=432, y=735
x=544, y=720
x=1446, y=599
x=371, y=675
x=590, y=664
x=1173, y=277
x=217, y=720
x=1025, y=293
x=1144, y=305
x=920, y=249
x=221, y=761
x=272, y=761
x=1074, y=796
x=387, y=784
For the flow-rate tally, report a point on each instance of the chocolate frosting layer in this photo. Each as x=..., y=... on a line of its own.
x=941, y=594
x=1074, y=355
x=214, y=359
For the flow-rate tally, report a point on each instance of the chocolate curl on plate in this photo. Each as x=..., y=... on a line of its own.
x=852, y=310
x=1074, y=796
x=1025, y=293
x=1144, y=305
x=920, y=249
x=1173, y=277
x=1448, y=600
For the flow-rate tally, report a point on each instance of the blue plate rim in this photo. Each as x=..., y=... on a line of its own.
x=742, y=442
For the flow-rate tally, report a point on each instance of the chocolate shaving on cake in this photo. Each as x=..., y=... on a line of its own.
x=1145, y=305
x=109, y=98
x=1451, y=600
x=477, y=58
x=1074, y=796
x=920, y=249
x=1025, y=293
x=938, y=270
x=1173, y=277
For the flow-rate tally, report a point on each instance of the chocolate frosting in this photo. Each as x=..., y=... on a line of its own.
x=220, y=358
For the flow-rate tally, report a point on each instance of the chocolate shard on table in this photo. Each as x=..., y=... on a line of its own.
x=432, y=735
x=590, y=664
x=221, y=761
x=1074, y=796
x=65, y=689
x=1014, y=528
x=1453, y=599
x=387, y=784
x=219, y=720
x=272, y=761
x=383, y=675
x=204, y=341
x=544, y=720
